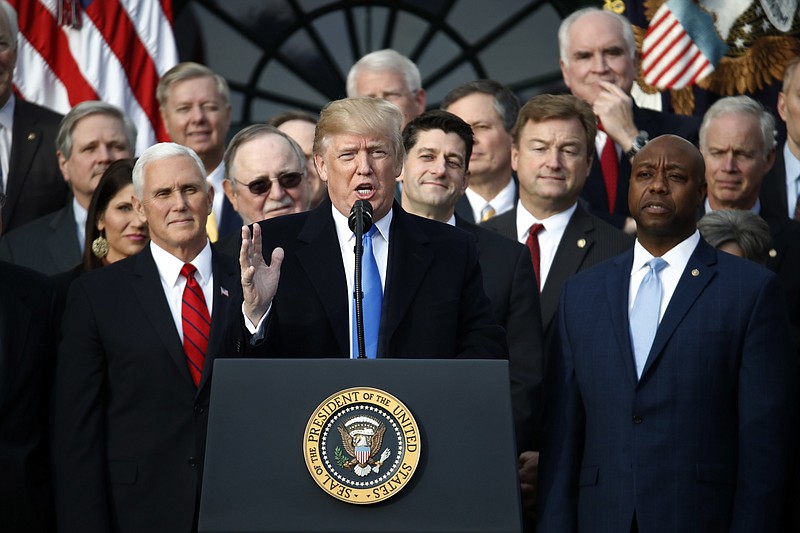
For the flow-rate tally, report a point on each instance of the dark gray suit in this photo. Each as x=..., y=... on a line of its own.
x=773, y=187
x=587, y=241
x=130, y=424
x=35, y=185
x=27, y=355
x=509, y=282
x=48, y=244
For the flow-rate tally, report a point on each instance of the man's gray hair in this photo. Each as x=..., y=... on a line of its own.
x=85, y=109
x=253, y=132
x=188, y=71
x=158, y=152
x=744, y=228
x=387, y=59
x=506, y=102
x=741, y=105
x=563, y=31
x=13, y=27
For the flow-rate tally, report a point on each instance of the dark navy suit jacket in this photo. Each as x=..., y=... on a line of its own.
x=701, y=442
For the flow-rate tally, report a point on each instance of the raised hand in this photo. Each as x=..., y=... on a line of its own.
x=259, y=280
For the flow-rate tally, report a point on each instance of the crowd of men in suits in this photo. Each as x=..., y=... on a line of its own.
x=632, y=412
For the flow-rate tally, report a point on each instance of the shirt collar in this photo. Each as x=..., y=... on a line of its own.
x=792, y=166
x=755, y=209
x=344, y=233
x=7, y=113
x=678, y=256
x=169, y=266
x=553, y=223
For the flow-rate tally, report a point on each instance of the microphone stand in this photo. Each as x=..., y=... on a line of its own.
x=360, y=219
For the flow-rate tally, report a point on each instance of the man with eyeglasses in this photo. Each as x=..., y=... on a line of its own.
x=265, y=177
x=392, y=76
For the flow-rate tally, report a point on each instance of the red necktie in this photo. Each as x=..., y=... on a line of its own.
x=609, y=164
x=196, y=323
x=533, y=246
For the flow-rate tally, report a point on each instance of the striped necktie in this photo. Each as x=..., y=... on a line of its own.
x=196, y=323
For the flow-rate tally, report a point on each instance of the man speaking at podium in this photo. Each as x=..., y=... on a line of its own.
x=423, y=294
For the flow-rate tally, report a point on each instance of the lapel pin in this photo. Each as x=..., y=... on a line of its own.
x=581, y=243
x=31, y=136
x=223, y=291
x=773, y=252
x=695, y=272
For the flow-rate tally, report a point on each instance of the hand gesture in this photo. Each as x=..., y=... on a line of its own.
x=613, y=109
x=259, y=280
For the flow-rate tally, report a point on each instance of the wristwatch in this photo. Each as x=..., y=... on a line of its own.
x=638, y=143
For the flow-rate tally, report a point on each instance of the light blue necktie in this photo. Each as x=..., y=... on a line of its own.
x=373, y=299
x=644, y=314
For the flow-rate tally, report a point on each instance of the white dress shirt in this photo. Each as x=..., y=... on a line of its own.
x=677, y=259
x=347, y=240
x=792, y=167
x=600, y=143
x=80, y=215
x=549, y=237
x=215, y=178
x=169, y=270
x=7, y=123
x=502, y=202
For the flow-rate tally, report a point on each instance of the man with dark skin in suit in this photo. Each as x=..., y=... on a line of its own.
x=668, y=428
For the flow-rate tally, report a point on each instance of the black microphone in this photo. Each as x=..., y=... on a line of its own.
x=360, y=220
x=361, y=210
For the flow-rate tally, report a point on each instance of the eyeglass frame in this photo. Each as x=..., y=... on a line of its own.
x=269, y=181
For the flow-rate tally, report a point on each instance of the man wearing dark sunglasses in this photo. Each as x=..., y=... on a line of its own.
x=265, y=177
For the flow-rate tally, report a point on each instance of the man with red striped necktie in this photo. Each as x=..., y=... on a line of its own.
x=133, y=380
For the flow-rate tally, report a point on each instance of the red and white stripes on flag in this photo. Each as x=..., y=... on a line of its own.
x=681, y=46
x=116, y=52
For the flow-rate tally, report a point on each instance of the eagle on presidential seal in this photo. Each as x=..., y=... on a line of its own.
x=362, y=438
x=759, y=36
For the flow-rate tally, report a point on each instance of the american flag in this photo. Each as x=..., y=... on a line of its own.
x=111, y=50
x=681, y=46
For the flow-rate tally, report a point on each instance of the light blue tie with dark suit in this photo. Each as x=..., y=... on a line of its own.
x=373, y=299
x=644, y=314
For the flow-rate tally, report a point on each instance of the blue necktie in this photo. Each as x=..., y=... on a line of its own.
x=644, y=314
x=373, y=299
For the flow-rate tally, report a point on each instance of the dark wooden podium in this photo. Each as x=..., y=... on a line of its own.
x=256, y=479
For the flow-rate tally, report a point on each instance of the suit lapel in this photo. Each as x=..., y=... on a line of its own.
x=15, y=322
x=62, y=243
x=617, y=287
x=575, y=244
x=410, y=258
x=25, y=141
x=700, y=270
x=321, y=261
x=226, y=276
x=150, y=293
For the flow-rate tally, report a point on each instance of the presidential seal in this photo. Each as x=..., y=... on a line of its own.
x=361, y=445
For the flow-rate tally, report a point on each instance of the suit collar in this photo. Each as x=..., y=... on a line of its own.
x=576, y=242
x=699, y=271
x=150, y=293
x=26, y=137
x=320, y=257
x=410, y=257
x=16, y=320
x=62, y=240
